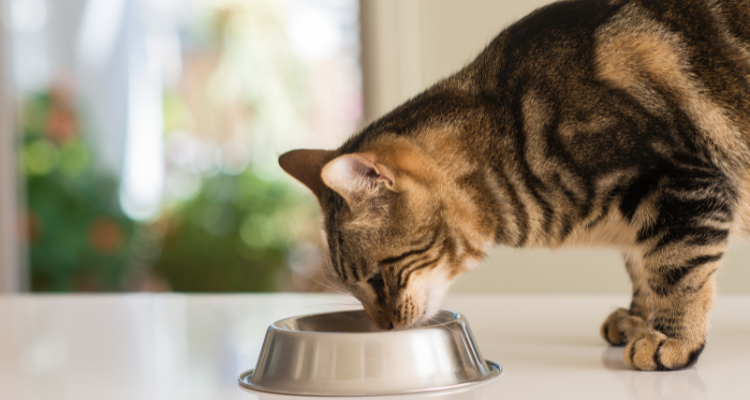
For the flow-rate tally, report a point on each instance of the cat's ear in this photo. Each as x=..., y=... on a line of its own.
x=357, y=176
x=306, y=166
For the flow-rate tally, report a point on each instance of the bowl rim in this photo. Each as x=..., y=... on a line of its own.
x=457, y=317
x=495, y=372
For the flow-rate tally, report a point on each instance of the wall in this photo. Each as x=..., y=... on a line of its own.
x=410, y=44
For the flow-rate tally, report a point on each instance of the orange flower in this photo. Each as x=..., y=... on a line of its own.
x=28, y=227
x=61, y=124
x=105, y=235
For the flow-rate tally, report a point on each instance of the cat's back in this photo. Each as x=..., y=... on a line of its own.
x=686, y=56
x=581, y=66
x=585, y=89
x=574, y=40
x=670, y=64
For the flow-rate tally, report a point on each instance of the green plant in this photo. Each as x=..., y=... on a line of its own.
x=77, y=235
x=235, y=235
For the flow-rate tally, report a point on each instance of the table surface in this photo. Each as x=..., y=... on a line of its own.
x=184, y=347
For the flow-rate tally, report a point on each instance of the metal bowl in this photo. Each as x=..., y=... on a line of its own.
x=345, y=354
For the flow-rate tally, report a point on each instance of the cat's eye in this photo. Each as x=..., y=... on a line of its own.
x=377, y=283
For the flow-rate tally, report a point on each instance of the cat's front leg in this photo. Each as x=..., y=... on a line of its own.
x=683, y=229
x=624, y=324
x=682, y=288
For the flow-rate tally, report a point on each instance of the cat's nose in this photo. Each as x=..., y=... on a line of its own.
x=380, y=319
x=384, y=324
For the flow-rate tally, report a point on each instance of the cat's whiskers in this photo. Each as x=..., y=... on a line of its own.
x=327, y=283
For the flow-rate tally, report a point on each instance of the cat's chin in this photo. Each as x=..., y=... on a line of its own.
x=434, y=295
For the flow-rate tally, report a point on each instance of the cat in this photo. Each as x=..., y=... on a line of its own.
x=620, y=123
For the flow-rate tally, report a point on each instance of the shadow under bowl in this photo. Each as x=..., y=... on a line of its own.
x=345, y=354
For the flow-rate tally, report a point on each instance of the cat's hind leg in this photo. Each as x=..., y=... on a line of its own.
x=623, y=324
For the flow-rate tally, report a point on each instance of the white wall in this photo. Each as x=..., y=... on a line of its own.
x=410, y=44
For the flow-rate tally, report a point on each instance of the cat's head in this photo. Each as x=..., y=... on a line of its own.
x=390, y=242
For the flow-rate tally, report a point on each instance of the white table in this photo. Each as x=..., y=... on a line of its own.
x=185, y=347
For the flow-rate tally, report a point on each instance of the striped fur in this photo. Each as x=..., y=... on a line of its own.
x=612, y=123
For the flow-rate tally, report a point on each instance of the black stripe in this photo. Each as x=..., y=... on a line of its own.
x=569, y=195
x=408, y=265
x=334, y=254
x=638, y=190
x=519, y=210
x=692, y=235
x=378, y=285
x=398, y=258
x=342, y=267
x=566, y=228
x=673, y=276
x=355, y=271
x=698, y=289
x=708, y=236
x=667, y=326
x=404, y=279
x=532, y=182
x=404, y=269
x=599, y=218
x=694, y=355
x=657, y=358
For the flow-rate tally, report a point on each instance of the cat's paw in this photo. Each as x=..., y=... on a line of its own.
x=621, y=327
x=652, y=350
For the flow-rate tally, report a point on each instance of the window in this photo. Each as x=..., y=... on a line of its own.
x=150, y=132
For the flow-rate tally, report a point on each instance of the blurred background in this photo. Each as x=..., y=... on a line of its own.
x=139, y=139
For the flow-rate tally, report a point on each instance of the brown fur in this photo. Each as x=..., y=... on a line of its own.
x=623, y=124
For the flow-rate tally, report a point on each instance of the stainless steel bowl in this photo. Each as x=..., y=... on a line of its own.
x=344, y=354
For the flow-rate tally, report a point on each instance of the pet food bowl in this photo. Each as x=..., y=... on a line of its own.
x=345, y=354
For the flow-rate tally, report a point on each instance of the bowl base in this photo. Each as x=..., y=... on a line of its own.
x=245, y=380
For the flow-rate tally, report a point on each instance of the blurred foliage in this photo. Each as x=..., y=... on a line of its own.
x=77, y=235
x=235, y=235
x=244, y=88
x=230, y=221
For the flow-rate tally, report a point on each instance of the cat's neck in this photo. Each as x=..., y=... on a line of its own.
x=449, y=141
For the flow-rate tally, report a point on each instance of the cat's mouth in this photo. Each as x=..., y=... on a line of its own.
x=394, y=319
x=380, y=318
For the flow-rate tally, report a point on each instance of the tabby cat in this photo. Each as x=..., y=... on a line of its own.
x=622, y=123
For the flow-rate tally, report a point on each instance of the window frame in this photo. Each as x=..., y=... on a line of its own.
x=13, y=271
